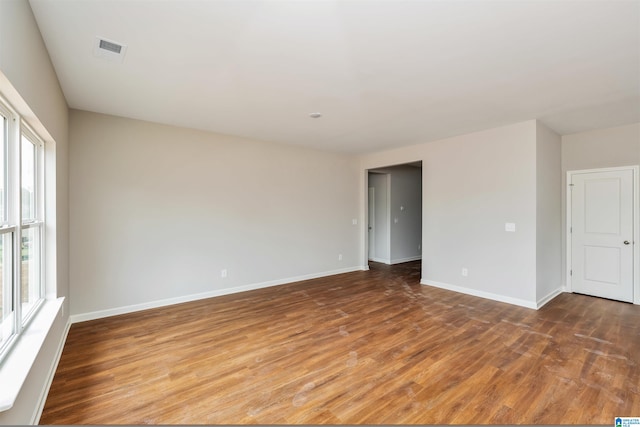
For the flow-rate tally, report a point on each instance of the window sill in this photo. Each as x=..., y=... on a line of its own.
x=17, y=364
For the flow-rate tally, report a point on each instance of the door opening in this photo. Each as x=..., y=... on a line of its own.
x=394, y=214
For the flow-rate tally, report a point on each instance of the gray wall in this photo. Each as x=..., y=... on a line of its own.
x=158, y=211
x=549, y=275
x=471, y=186
x=406, y=234
x=29, y=82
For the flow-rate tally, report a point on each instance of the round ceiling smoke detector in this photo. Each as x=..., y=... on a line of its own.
x=315, y=115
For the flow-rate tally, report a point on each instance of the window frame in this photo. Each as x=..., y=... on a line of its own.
x=12, y=224
x=8, y=323
x=37, y=221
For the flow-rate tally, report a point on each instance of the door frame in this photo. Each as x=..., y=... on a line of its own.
x=636, y=225
x=387, y=210
x=372, y=242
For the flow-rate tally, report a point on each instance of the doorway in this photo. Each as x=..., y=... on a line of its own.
x=394, y=213
x=602, y=230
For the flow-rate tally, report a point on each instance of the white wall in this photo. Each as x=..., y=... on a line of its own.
x=601, y=148
x=158, y=211
x=380, y=183
x=549, y=275
x=471, y=186
x=406, y=192
x=25, y=62
x=28, y=80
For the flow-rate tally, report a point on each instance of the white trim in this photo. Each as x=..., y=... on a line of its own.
x=35, y=419
x=636, y=235
x=19, y=130
x=481, y=294
x=364, y=228
x=409, y=259
x=371, y=202
x=27, y=225
x=19, y=360
x=389, y=219
x=636, y=225
x=396, y=261
x=567, y=223
x=83, y=317
x=381, y=260
x=544, y=300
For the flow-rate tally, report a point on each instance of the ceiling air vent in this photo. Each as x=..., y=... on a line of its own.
x=109, y=49
x=112, y=47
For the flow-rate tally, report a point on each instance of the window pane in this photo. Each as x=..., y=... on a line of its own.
x=28, y=179
x=6, y=293
x=30, y=287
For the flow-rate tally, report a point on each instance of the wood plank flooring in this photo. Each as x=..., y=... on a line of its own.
x=370, y=347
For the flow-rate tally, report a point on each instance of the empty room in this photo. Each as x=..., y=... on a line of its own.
x=319, y=212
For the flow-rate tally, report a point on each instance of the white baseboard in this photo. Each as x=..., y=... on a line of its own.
x=381, y=260
x=395, y=261
x=542, y=301
x=409, y=259
x=52, y=372
x=481, y=294
x=83, y=317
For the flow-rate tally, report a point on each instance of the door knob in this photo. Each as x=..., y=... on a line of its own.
x=626, y=242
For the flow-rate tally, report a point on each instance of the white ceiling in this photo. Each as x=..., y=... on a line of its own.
x=383, y=73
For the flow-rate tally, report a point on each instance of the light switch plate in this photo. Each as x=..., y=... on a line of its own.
x=509, y=226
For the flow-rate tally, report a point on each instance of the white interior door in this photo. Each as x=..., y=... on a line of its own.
x=372, y=222
x=602, y=234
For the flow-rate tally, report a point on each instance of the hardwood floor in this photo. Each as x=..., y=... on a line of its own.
x=365, y=347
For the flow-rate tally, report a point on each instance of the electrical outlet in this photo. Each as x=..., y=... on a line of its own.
x=223, y=273
x=419, y=247
x=465, y=272
x=339, y=257
x=354, y=221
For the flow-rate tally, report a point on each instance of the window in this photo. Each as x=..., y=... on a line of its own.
x=21, y=225
x=32, y=290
